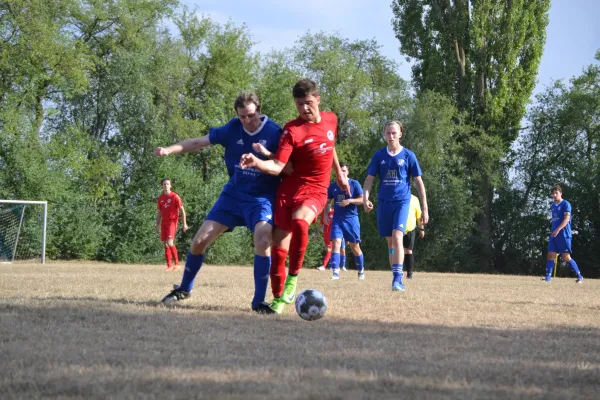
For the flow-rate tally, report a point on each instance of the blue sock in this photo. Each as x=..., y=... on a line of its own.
x=262, y=266
x=574, y=267
x=192, y=266
x=360, y=263
x=397, y=271
x=335, y=262
x=343, y=261
x=549, y=269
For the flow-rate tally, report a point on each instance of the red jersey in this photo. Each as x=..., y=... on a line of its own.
x=310, y=148
x=168, y=205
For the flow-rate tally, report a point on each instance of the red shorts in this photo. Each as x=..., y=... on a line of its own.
x=167, y=230
x=285, y=207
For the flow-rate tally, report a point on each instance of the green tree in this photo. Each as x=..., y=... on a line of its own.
x=484, y=55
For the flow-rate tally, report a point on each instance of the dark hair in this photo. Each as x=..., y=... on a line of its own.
x=343, y=164
x=164, y=179
x=556, y=188
x=244, y=98
x=305, y=87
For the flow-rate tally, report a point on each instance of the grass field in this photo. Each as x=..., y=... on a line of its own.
x=92, y=330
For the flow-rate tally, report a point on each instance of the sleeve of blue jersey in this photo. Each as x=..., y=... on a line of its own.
x=373, y=168
x=357, y=189
x=274, y=136
x=219, y=135
x=415, y=168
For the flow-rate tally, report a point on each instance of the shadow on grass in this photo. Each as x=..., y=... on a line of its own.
x=80, y=351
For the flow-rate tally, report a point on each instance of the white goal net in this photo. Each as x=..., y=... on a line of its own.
x=22, y=230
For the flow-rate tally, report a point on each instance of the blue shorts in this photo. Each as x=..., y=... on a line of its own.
x=559, y=244
x=392, y=215
x=232, y=212
x=347, y=229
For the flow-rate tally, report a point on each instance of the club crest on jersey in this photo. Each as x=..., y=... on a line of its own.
x=401, y=162
x=330, y=135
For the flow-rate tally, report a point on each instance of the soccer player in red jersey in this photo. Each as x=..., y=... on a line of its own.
x=309, y=143
x=325, y=222
x=169, y=204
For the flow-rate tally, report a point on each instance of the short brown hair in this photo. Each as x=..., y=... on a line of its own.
x=244, y=98
x=394, y=122
x=556, y=188
x=164, y=180
x=305, y=87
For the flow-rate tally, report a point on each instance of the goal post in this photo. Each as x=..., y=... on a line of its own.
x=13, y=223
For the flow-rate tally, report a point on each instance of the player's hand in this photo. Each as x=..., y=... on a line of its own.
x=421, y=233
x=425, y=217
x=342, y=182
x=260, y=149
x=161, y=151
x=368, y=205
x=555, y=232
x=248, y=160
x=344, y=203
x=185, y=227
x=325, y=220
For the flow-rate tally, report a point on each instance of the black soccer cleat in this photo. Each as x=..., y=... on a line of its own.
x=264, y=308
x=175, y=296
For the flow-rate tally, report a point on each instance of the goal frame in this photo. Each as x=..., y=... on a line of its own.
x=44, y=221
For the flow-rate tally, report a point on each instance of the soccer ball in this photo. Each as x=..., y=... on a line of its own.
x=311, y=304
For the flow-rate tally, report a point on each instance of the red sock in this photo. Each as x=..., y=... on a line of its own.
x=277, y=273
x=298, y=245
x=168, y=256
x=174, y=252
x=327, y=257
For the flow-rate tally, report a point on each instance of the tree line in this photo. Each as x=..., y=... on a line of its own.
x=88, y=89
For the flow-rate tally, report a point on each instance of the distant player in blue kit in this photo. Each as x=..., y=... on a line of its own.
x=246, y=199
x=559, y=241
x=345, y=224
x=395, y=166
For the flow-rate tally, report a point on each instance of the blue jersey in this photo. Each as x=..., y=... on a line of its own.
x=394, y=173
x=559, y=212
x=237, y=141
x=334, y=192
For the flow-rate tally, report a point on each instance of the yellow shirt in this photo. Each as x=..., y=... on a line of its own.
x=414, y=214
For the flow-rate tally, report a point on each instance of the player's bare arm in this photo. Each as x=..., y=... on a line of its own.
x=340, y=177
x=158, y=217
x=423, y=198
x=326, y=212
x=185, y=146
x=262, y=150
x=368, y=206
x=564, y=223
x=270, y=167
x=185, y=226
x=356, y=200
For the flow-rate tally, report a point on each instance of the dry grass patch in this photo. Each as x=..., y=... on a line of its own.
x=92, y=330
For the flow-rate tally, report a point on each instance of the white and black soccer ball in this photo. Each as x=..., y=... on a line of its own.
x=311, y=305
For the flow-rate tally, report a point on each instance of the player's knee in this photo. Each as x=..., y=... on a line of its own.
x=262, y=242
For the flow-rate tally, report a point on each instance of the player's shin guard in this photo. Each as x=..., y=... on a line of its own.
x=549, y=268
x=360, y=263
x=193, y=263
x=168, y=257
x=262, y=265
x=397, y=272
x=277, y=273
x=174, y=254
x=574, y=267
x=298, y=245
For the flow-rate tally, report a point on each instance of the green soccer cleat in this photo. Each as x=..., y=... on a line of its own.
x=277, y=305
x=289, y=290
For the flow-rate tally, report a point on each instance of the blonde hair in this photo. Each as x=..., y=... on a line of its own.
x=394, y=122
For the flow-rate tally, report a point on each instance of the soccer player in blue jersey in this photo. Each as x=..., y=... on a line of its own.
x=559, y=241
x=246, y=199
x=395, y=166
x=345, y=224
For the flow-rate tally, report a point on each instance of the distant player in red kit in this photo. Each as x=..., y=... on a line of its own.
x=167, y=217
x=309, y=143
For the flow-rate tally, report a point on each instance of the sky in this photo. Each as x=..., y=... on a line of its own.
x=572, y=35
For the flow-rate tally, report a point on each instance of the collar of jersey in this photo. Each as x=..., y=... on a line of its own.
x=264, y=121
x=388, y=151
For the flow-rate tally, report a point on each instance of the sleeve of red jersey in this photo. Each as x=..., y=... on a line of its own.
x=286, y=146
x=179, y=202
